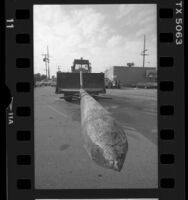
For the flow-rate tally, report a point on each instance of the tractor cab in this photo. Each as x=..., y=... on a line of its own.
x=81, y=65
x=70, y=83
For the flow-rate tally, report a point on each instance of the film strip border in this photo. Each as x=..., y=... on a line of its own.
x=20, y=133
x=166, y=87
x=169, y=30
x=21, y=157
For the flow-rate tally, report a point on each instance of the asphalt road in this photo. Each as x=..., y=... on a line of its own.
x=61, y=161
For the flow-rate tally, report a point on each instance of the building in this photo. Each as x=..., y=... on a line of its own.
x=131, y=76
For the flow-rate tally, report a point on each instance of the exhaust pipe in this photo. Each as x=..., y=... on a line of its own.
x=104, y=139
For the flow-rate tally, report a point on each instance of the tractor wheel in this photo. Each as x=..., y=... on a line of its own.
x=67, y=97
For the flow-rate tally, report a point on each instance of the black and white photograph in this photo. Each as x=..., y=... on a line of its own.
x=95, y=96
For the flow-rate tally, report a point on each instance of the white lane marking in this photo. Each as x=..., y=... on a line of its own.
x=129, y=127
x=150, y=113
x=57, y=111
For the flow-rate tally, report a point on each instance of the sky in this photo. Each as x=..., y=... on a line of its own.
x=107, y=35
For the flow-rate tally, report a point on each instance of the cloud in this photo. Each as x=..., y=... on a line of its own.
x=145, y=30
x=114, y=41
x=138, y=15
x=77, y=30
x=92, y=32
x=89, y=21
x=124, y=10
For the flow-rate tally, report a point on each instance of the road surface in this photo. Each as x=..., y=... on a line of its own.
x=61, y=161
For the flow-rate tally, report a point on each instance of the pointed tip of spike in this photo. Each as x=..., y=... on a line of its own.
x=118, y=165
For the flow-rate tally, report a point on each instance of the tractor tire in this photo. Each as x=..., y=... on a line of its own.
x=67, y=98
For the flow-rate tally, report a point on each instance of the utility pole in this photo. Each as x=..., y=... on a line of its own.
x=143, y=53
x=46, y=66
x=46, y=59
x=48, y=63
x=58, y=68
